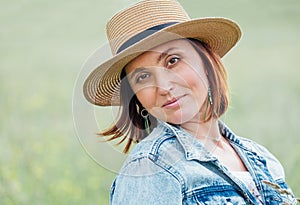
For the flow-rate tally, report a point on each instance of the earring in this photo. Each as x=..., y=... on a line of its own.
x=210, y=96
x=145, y=115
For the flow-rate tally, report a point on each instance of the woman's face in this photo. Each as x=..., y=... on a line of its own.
x=170, y=82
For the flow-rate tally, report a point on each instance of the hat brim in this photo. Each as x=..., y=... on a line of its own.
x=102, y=86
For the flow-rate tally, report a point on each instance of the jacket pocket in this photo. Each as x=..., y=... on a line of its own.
x=218, y=195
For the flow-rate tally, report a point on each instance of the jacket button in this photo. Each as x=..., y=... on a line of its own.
x=229, y=202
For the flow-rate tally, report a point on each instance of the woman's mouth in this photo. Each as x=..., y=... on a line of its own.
x=172, y=103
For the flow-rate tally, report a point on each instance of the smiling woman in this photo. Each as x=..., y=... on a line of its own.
x=169, y=81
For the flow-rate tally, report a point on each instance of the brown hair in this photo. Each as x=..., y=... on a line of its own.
x=217, y=80
x=130, y=124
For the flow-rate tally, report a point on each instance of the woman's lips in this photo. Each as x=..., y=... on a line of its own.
x=173, y=103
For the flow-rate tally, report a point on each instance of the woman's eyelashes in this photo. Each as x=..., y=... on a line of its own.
x=171, y=61
x=142, y=77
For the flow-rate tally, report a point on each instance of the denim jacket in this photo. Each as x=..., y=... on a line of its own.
x=172, y=167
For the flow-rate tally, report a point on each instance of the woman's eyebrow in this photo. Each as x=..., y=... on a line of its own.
x=165, y=53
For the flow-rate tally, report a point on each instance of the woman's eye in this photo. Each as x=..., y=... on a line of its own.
x=142, y=77
x=173, y=60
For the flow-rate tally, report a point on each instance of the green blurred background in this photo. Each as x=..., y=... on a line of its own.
x=43, y=45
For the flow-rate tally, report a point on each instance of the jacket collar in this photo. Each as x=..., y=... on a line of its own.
x=193, y=148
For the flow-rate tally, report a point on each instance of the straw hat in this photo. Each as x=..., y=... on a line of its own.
x=143, y=26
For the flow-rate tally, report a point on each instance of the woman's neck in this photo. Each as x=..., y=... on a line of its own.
x=203, y=131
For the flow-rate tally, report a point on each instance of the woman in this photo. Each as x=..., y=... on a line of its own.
x=168, y=79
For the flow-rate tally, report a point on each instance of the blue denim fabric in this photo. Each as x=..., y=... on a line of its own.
x=172, y=167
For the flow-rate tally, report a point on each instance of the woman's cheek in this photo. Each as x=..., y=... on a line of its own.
x=159, y=113
x=146, y=97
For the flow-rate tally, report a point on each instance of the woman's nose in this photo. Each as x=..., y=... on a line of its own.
x=163, y=82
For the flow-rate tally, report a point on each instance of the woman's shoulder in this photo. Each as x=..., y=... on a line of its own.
x=144, y=171
x=151, y=150
x=256, y=147
x=261, y=151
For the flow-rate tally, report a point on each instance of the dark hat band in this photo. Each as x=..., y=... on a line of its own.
x=140, y=36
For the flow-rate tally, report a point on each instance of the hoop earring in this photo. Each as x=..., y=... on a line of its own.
x=210, y=96
x=145, y=115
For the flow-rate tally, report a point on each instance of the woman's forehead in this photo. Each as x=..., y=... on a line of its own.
x=180, y=43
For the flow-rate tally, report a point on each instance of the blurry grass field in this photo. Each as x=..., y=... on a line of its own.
x=43, y=45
